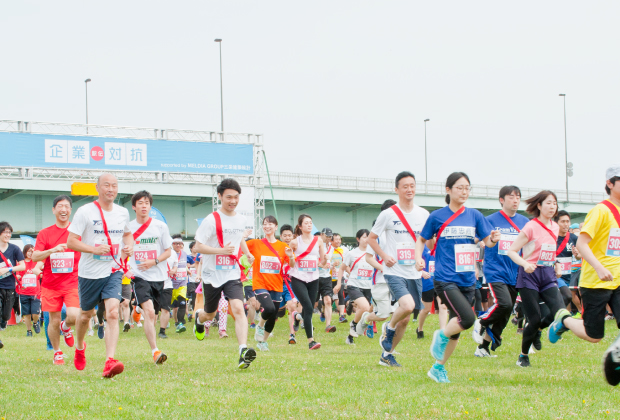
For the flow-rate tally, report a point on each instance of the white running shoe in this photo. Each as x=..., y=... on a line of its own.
x=483, y=353
x=477, y=333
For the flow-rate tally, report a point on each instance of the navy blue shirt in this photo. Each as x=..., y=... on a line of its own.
x=567, y=252
x=427, y=284
x=498, y=267
x=13, y=254
x=461, y=231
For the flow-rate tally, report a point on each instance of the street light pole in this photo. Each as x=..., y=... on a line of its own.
x=563, y=95
x=219, y=41
x=86, y=84
x=425, y=158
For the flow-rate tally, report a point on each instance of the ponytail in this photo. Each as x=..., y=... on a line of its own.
x=300, y=220
x=447, y=198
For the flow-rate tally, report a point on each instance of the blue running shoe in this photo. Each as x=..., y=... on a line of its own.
x=387, y=335
x=389, y=361
x=322, y=317
x=101, y=331
x=438, y=345
x=369, y=331
x=557, y=328
x=438, y=374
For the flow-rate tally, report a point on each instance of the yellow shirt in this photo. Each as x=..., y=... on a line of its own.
x=598, y=223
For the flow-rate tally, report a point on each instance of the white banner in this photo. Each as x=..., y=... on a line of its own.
x=246, y=208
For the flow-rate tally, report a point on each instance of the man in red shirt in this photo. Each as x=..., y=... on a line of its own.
x=60, y=276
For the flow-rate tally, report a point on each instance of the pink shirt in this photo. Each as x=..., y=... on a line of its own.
x=538, y=236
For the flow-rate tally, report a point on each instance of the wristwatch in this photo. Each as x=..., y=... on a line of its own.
x=156, y=261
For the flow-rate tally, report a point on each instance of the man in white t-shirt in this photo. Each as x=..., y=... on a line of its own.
x=96, y=281
x=218, y=239
x=398, y=255
x=148, y=264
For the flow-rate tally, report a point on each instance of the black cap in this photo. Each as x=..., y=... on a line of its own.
x=327, y=232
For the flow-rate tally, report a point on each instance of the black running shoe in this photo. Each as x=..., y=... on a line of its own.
x=1, y=345
x=295, y=321
x=537, y=344
x=246, y=357
x=611, y=363
x=313, y=345
x=350, y=307
x=496, y=343
x=524, y=361
x=162, y=335
x=37, y=327
x=420, y=333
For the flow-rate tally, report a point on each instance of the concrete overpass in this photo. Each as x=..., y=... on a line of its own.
x=343, y=203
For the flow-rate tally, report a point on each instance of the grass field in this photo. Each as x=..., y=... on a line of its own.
x=200, y=380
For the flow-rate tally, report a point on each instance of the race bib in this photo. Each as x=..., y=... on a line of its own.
x=224, y=262
x=547, y=255
x=565, y=264
x=307, y=265
x=405, y=253
x=182, y=273
x=29, y=280
x=269, y=265
x=109, y=256
x=3, y=265
x=613, y=244
x=431, y=267
x=62, y=262
x=144, y=252
x=364, y=273
x=505, y=242
x=465, y=258
x=334, y=275
x=193, y=272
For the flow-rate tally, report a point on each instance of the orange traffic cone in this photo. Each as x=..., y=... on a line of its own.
x=12, y=320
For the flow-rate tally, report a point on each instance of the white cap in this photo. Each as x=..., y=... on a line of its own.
x=177, y=240
x=612, y=171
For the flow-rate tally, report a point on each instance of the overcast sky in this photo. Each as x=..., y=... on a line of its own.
x=337, y=87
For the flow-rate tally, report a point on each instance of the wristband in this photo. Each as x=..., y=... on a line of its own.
x=10, y=269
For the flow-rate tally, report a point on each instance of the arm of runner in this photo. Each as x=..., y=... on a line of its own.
x=372, y=242
x=420, y=264
x=38, y=268
x=576, y=252
x=322, y=258
x=151, y=263
x=21, y=266
x=492, y=240
x=370, y=260
x=426, y=275
x=246, y=251
x=586, y=253
x=42, y=255
x=340, y=274
x=128, y=241
x=73, y=242
x=199, y=271
x=513, y=253
x=291, y=256
x=206, y=249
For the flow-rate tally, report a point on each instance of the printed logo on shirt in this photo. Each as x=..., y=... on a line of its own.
x=455, y=232
x=232, y=231
x=148, y=240
x=509, y=230
x=96, y=222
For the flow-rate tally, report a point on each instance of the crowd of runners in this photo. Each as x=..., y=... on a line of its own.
x=100, y=271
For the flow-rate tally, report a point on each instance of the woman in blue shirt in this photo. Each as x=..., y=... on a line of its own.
x=457, y=229
x=429, y=295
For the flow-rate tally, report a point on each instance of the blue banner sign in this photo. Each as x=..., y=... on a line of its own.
x=52, y=151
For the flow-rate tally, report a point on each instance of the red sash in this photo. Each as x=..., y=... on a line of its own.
x=309, y=249
x=613, y=210
x=122, y=264
x=401, y=216
x=356, y=261
x=447, y=222
x=555, y=238
x=509, y=221
x=220, y=235
x=142, y=228
x=7, y=262
x=563, y=244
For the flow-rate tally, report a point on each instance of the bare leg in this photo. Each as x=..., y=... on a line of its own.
x=241, y=322
x=149, y=323
x=81, y=327
x=327, y=310
x=111, y=335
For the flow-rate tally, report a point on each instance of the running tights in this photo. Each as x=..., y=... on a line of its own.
x=305, y=294
x=531, y=308
x=269, y=310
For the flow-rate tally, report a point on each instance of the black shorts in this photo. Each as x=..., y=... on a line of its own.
x=7, y=300
x=191, y=289
x=248, y=292
x=93, y=291
x=325, y=287
x=595, y=303
x=429, y=295
x=484, y=294
x=30, y=305
x=340, y=292
x=152, y=290
x=459, y=301
x=355, y=293
x=233, y=289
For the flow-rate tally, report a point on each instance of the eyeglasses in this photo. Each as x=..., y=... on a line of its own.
x=463, y=188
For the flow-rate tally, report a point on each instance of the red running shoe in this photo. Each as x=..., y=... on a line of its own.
x=59, y=358
x=69, y=341
x=112, y=368
x=80, y=358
